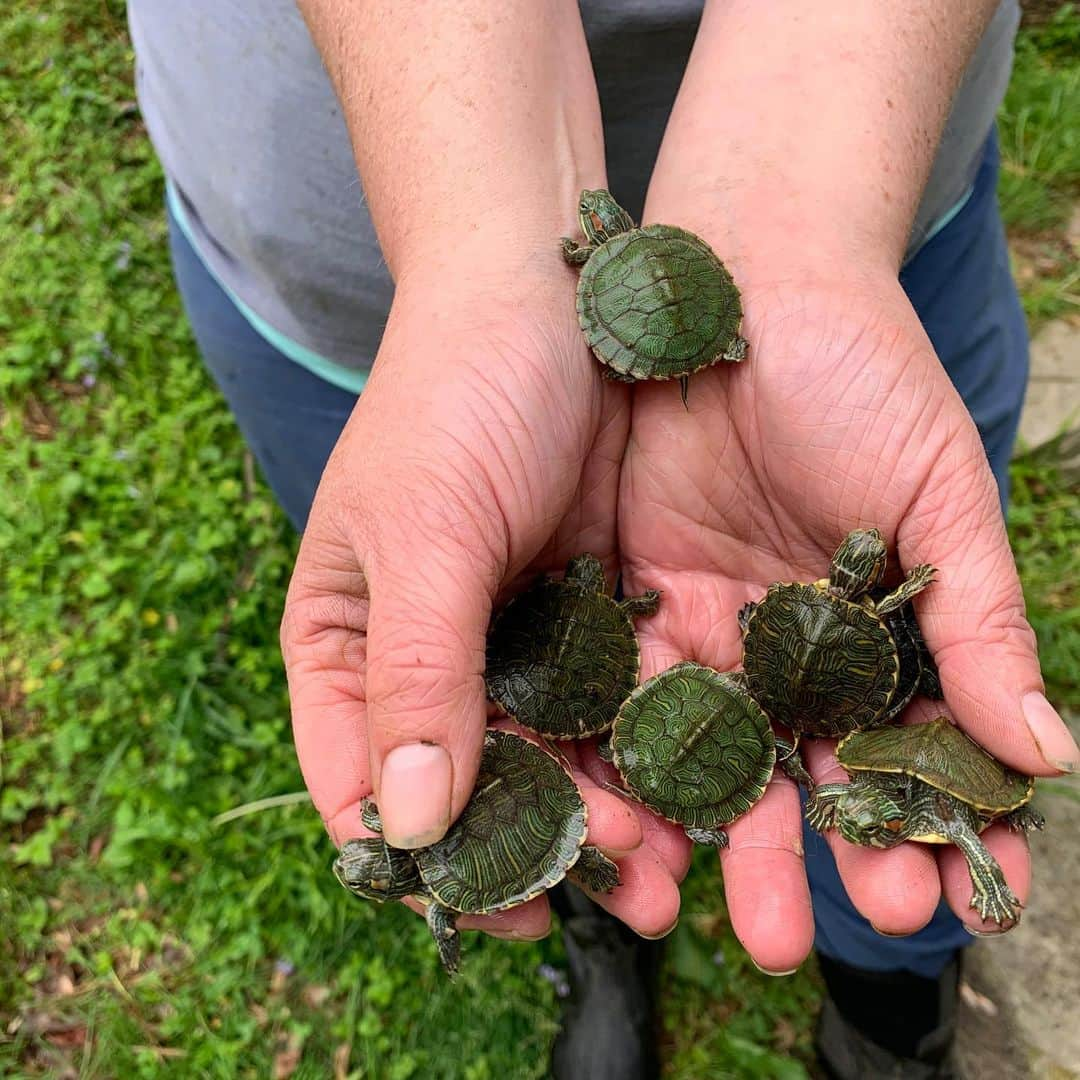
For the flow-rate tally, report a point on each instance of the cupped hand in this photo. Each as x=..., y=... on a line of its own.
x=484, y=449
x=841, y=416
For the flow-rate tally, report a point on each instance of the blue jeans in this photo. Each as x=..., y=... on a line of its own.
x=958, y=283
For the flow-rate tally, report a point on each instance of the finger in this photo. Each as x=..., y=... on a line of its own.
x=897, y=889
x=1010, y=849
x=324, y=645
x=646, y=898
x=613, y=826
x=667, y=841
x=973, y=614
x=765, y=883
x=530, y=921
x=430, y=607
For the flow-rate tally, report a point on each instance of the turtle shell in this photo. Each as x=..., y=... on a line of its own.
x=518, y=835
x=561, y=659
x=693, y=745
x=817, y=663
x=656, y=303
x=941, y=755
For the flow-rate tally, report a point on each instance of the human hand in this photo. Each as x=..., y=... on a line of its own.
x=485, y=448
x=841, y=417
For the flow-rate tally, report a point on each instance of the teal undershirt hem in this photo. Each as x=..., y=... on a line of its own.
x=342, y=377
x=945, y=219
x=349, y=378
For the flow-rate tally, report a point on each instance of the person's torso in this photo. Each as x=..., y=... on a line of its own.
x=252, y=139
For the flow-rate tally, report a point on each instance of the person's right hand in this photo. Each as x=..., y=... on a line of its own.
x=484, y=449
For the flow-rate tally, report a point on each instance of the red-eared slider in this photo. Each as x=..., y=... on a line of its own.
x=522, y=831
x=654, y=302
x=691, y=744
x=820, y=658
x=928, y=782
x=563, y=656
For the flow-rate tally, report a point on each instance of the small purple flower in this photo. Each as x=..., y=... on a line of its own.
x=557, y=979
x=89, y=381
x=284, y=967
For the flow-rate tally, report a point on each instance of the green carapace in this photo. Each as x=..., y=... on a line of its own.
x=691, y=744
x=931, y=783
x=563, y=656
x=654, y=302
x=522, y=831
x=822, y=658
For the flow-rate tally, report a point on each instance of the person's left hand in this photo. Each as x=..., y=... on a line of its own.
x=841, y=417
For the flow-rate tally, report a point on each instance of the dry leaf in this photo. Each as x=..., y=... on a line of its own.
x=315, y=996
x=341, y=1061
x=980, y=1002
x=285, y=1063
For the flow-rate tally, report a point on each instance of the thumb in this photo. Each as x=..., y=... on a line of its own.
x=431, y=596
x=974, y=620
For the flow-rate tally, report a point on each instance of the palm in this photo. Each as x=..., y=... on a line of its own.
x=841, y=417
x=462, y=472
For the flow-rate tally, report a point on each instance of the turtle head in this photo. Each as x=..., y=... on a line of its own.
x=859, y=563
x=601, y=216
x=373, y=869
x=867, y=816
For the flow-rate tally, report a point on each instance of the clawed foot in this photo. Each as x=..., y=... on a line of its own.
x=595, y=871
x=1024, y=819
x=997, y=902
x=717, y=838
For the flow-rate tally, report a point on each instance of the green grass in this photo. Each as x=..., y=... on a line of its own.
x=1040, y=176
x=142, y=568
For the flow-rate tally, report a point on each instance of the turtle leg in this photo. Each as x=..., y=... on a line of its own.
x=616, y=376
x=442, y=922
x=791, y=764
x=684, y=386
x=821, y=806
x=744, y=613
x=369, y=816
x=911, y=586
x=574, y=253
x=1024, y=818
x=594, y=870
x=929, y=679
x=736, y=351
x=717, y=838
x=648, y=603
x=604, y=750
x=992, y=897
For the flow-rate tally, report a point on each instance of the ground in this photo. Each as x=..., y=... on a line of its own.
x=164, y=892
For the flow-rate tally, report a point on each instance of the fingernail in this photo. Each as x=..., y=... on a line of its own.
x=887, y=933
x=414, y=794
x=772, y=974
x=663, y=934
x=987, y=933
x=1056, y=744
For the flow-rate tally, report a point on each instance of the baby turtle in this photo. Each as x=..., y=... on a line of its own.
x=821, y=659
x=928, y=782
x=563, y=656
x=654, y=302
x=691, y=744
x=522, y=832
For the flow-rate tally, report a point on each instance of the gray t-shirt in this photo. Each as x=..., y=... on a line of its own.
x=251, y=136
